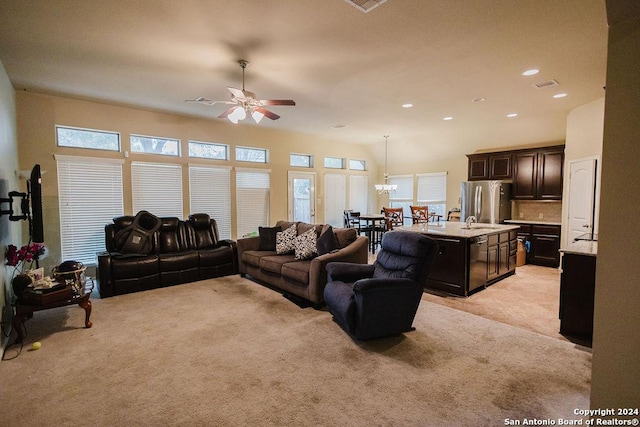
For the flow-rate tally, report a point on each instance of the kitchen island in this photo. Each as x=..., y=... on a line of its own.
x=469, y=258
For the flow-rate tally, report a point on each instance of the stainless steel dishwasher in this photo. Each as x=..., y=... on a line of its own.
x=478, y=259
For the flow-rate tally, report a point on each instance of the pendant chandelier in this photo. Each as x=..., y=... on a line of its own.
x=386, y=188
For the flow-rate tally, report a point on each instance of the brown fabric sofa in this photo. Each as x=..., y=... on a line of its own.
x=304, y=279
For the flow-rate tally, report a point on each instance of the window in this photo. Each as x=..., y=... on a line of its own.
x=357, y=165
x=255, y=155
x=334, y=163
x=210, y=192
x=155, y=145
x=252, y=200
x=87, y=138
x=358, y=193
x=403, y=197
x=157, y=188
x=89, y=197
x=208, y=150
x=432, y=191
x=335, y=198
x=301, y=160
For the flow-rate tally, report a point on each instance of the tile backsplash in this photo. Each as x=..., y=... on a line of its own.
x=536, y=210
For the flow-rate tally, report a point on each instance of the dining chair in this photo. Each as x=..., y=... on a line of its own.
x=394, y=217
x=419, y=214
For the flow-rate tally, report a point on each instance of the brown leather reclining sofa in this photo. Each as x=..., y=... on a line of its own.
x=181, y=252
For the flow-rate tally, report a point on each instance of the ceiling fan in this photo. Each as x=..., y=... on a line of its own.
x=245, y=102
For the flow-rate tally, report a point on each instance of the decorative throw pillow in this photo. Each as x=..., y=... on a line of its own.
x=327, y=242
x=305, y=245
x=346, y=236
x=268, y=238
x=285, y=240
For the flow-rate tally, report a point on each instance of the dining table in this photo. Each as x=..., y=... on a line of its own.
x=373, y=226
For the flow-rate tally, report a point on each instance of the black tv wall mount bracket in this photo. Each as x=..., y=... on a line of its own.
x=24, y=206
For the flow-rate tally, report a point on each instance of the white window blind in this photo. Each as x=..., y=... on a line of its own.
x=157, y=188
x=252, y=200
x=432, y=191
x=210, y=193
x=405, y=187
x=358, y=193
x=89, y=196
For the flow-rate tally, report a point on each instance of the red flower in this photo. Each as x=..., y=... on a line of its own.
x=27, y=253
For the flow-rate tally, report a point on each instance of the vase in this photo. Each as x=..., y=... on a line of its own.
x=20, y=284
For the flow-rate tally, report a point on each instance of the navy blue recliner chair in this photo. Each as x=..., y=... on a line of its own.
x=374, y=301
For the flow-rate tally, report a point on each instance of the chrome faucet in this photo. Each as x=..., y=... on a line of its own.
x=471, y=219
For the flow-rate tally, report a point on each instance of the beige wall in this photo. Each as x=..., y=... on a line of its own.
x=585, y=127
x=616, y=341
x=38, y=114
x=10, y=231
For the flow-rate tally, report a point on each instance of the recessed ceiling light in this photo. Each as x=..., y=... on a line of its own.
x=478, y=100
x=512, y=115
x=448, y=118
x=408, y=105
x=559, y=95
x=531, y=72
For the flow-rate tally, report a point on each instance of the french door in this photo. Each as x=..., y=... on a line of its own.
x=302, y=189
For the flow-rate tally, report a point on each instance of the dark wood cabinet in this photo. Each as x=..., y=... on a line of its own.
x=478, y=167
x=536, y=173
x=449, y=269
x=525, y=175
x=544, y=243
x=489, y=166
x=550, y=167
x=501, y=256
x=500, y=166
x=577, y=290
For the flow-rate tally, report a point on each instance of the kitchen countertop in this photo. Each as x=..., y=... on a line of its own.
x=534, y=222
x=581, y=247
x=456, y=229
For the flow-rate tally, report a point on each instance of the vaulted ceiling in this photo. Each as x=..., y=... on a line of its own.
x=349, y=71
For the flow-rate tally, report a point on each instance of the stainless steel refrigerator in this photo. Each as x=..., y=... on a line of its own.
x=483, y=199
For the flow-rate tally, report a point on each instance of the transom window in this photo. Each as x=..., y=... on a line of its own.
x=87, y=138
x=357, y=165
x=208, y=150
x=334, y=162
x=301, y=160
x=155, y=145
x=255, y=155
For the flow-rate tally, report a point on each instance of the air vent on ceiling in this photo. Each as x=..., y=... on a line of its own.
x=365, y=5
x=548, y=83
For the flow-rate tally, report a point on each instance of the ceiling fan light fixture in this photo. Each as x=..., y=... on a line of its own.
x=386, y=188
x=238, y=114
x=257, y=116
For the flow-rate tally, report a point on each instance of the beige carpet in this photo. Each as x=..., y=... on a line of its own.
x=229, y=352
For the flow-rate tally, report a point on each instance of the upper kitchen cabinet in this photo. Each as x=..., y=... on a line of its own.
x=489, y=166
x=538, y=174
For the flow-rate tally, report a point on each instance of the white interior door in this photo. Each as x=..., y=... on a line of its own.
x=335, y=198
x=582, y=190
x=302, y=190
x=358, y=193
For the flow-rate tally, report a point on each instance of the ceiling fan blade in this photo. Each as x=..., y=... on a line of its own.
x=236, y=92
x=278, y=102
x=269, y=114
x=208, y=101
x=227, y=112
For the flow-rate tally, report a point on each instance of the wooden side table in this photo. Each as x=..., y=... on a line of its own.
x=25, y=308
